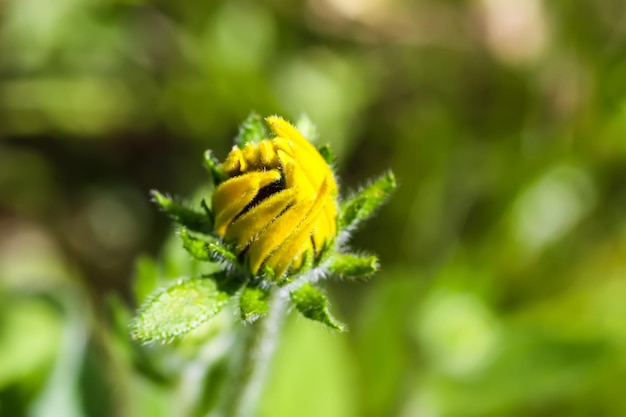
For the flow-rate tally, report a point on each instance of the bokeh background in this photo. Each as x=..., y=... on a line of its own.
x=503, y=289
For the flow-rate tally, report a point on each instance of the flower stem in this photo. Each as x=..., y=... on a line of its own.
x=251, y=361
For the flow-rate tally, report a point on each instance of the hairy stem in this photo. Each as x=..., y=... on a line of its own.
x=251, y=361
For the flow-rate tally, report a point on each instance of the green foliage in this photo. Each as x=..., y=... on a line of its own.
x=362, y=205
x=313, y=304
x=178, y=309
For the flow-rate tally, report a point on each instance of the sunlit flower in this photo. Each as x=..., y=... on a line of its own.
x=278, y=204
x=274, y=220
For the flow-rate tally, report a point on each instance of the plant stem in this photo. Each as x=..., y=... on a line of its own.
x=251, y=361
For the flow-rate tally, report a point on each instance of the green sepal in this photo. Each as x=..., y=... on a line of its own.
x=305, y=125
x=215, y=168
x=210, y=250
x=327, y=153
x=219, y=253
x=191, y=219
x=197, y=248
x=362, y=204
x=307, y=263
x=313, y=304
x=267, y=274
x=178, y=310
x=252, y=130
x=352, y=266
x=252, y=304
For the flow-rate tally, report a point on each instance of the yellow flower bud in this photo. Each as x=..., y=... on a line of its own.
x=279, y=201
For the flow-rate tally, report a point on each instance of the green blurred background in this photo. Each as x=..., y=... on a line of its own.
x=503, y=289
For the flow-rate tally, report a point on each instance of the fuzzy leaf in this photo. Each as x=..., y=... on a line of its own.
x=177, y=310
x=191, y=219
x=252, y=304
x=313, y=304
x=352, y=266
x=361, y=205
x=252, y=130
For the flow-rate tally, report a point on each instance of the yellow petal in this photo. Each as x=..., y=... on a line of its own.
x=320, y=232
x=299, y=260
x=268, y=240
x=251, y=156
x=293, y=245
x=302, y=150
x=269, y=158
x=234, y=194
x=246, y=227
x=295, y=178
x=233, y=163
x=284, y=129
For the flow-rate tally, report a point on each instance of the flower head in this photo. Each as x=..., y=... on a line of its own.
x=274, y=219
x=278, y=204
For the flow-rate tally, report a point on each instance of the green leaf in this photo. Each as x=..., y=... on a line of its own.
x=178, y=310
x=313, y=304
x=191, y=219
x=352, y=266
x=252, y=130
x=361, y=205
x=252, y=304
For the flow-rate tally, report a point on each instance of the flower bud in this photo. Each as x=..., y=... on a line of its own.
x=277, y=206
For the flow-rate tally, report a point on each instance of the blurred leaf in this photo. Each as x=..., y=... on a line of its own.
x=383, y=351
x=146, y=278
x=30, y=334
x=312, y=304
x=315, y=374
x=61, y=393
x=178, y=310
